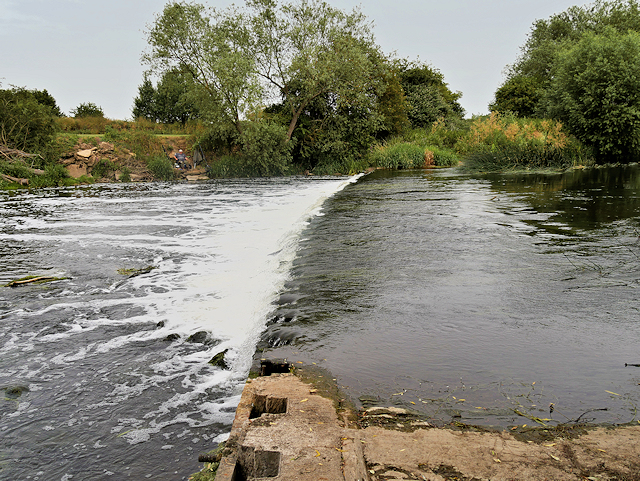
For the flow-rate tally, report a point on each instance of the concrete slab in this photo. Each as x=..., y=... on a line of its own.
x=285, y=430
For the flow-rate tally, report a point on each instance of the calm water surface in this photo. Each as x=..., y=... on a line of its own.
x=474, y=297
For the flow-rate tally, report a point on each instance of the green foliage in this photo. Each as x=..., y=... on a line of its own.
x=103, y=168
x=428, y=95
x=227, y=166
x=266, y=150
x=519, y=95
x=399, y=155
x=169, y=102
x=88, y=109
x=426, y=105
x=444, y=157
x=25, y=124
x=505, y=142
x=595, y=93
x=526, y=157
x=125, y=174
x=212, y=46
x=45, y=98
x=54, y=175
x=161, y=167
x=393, y=106
x=340, y=166
x=580, y=66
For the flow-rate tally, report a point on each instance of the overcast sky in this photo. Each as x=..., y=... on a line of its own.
x=89, y=50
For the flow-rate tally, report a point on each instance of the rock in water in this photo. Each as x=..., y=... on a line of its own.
x=219, y=360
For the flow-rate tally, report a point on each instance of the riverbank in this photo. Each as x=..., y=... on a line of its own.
x=290, y=428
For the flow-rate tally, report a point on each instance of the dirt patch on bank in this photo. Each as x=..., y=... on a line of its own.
x=109, y=162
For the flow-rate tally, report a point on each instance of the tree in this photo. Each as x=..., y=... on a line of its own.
x=427, y=94
x=519, y=95
x=304, y=65
x=309, y=50
x=144, y=105
x=549, y=38
x=595, y=92
x=169, y=102
x=25, y=124
x=212, y=47
x=45, y=98
x=88, y=109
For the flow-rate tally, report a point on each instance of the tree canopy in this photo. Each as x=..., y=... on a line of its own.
x=25, y=123
x=579, y=66
x=168, y=102
x=312, y=70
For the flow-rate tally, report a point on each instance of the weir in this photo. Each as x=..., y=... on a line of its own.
x=472, y=300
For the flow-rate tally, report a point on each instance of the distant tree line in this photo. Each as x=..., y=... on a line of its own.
x=582, y=67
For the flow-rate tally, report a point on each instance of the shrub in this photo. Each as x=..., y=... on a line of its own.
x=25, y=124
x=266, y=150
x=125, y=174
x=103, y=168
x=499, y=142
x=54, y=175
x=595, y=92
x=161, y=167
x=226, y=166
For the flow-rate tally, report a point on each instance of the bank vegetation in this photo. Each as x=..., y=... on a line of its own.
x=269, y=88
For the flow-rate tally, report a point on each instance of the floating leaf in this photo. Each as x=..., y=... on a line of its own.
x=615, y=394
x=317, y=453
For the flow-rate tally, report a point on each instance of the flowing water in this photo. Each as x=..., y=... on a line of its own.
x=461, y=297
x=99, y=375
x=468, y=298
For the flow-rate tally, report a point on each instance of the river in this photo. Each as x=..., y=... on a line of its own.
x=99, y=375
x=463, y=297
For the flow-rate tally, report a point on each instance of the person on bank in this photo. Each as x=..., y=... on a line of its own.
x=181, y=160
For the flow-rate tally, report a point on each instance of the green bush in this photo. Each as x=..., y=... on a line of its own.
x=161, y=167
x=54, y=175
x=125, y=174
x=103, y=168
x=349, y=165
x=595, y=92
x=443, y=157
x=523, y=157
x=25, y=124
x=227, y=166
x=265, y=149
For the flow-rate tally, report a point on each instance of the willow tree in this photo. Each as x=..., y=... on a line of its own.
x=211, y=46
x=307, y=50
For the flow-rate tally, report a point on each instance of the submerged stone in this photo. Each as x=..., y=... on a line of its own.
x=14, y=392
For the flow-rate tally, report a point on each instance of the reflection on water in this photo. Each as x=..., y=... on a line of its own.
x=467, y=296
x=580, y=199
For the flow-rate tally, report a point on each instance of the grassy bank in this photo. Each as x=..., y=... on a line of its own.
x=493, y=143
x=504, y=143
